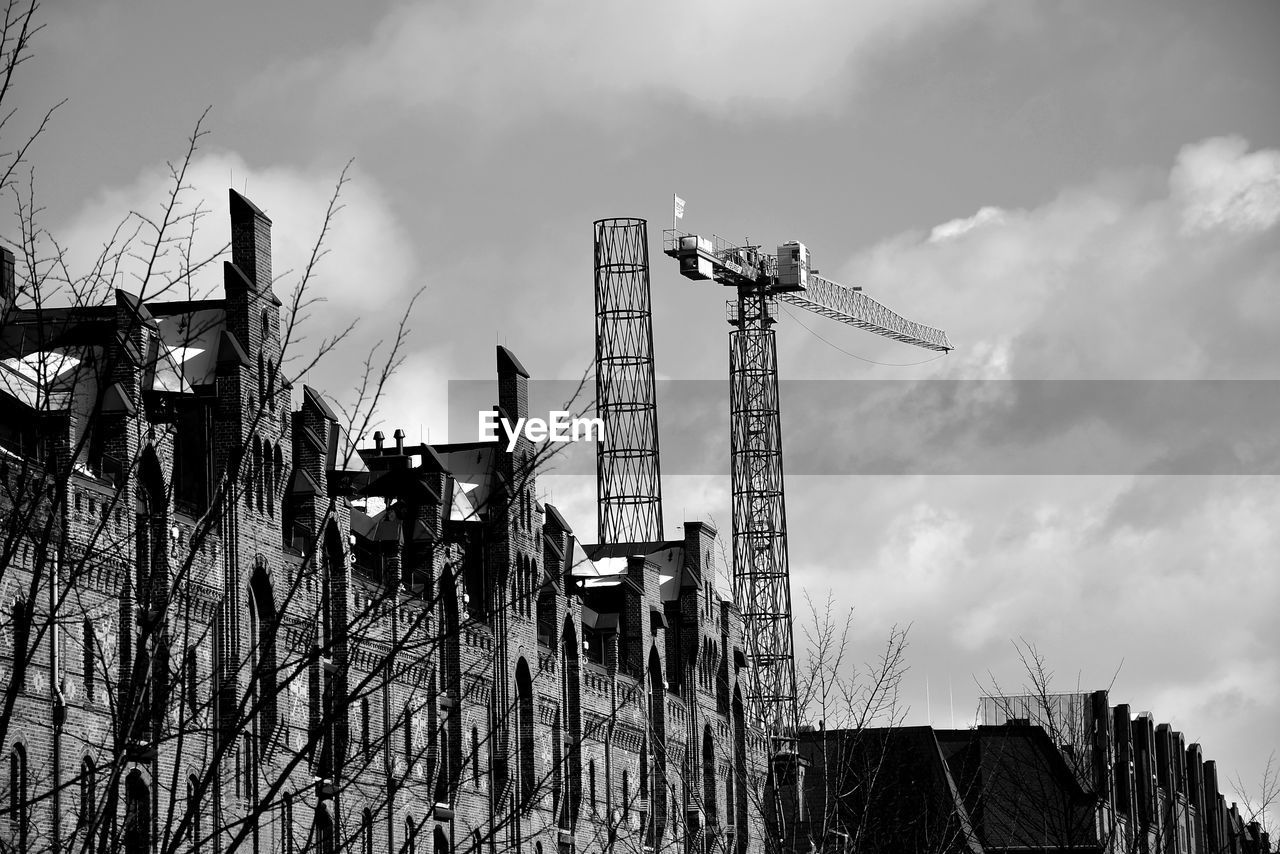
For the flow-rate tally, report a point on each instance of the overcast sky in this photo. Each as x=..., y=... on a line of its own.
x=1072, y=191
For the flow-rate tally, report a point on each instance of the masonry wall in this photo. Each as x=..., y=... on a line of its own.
x=268, y=668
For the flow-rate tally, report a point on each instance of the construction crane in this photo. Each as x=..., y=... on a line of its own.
x=761, y=576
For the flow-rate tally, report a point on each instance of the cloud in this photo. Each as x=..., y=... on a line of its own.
x=964, y=225
x=1140, y=275
x=504, y=61
x=1220, y=185
x=1132, y=276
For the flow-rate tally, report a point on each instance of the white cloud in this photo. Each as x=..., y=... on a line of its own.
x=1123, y=278
x=1221, y=185
x=958, y=227
x=504, y=60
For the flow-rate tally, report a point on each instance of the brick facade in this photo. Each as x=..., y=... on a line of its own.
x=222, y=630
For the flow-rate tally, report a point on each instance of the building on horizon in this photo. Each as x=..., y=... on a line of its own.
x=1051, y=772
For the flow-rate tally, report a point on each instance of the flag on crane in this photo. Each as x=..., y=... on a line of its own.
x=678, y=205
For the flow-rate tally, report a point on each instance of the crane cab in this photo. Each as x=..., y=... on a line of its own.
x=793, y=266
x=694, y=254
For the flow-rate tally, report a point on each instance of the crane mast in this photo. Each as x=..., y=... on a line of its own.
x=761, y=573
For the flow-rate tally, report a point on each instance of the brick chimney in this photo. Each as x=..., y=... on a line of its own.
x=513, y=385
x=251, y=241
x=8, y=287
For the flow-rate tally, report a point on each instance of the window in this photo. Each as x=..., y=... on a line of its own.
x=626, y=794
x=21, y=640
x=525, y=734
x=193, y=812
x=137, y=815
x=247, y=750
x=475, y=757
x=90, y=645
x=442, y=790
x=410, y=837
x=191, y=681
x=709, y=774
x=591, y=783
x=408, y=743
x=88, y=792
x=286, y=820
x=366, y=832
x=364, y=727
x=19, y=809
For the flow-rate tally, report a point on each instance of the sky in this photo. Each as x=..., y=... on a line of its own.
x=1085, y=192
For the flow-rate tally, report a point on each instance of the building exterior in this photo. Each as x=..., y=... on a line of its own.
x=225, y=629
x=1040, y=773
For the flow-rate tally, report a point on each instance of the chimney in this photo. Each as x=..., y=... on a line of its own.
x=8, y=288
x=251, y=241
x=699, y=544
x=513, y=385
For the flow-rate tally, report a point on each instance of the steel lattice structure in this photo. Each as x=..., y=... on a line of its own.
x=628, y=481
x=761, y=574
x=855, y=308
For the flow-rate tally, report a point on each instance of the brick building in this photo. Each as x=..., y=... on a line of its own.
x=1050, y=773
x=224, y=629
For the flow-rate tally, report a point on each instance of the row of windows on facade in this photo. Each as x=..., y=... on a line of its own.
x=246, y=765
x=137, y=829
x=20, y=801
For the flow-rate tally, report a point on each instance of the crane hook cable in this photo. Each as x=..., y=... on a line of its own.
x=808, y=329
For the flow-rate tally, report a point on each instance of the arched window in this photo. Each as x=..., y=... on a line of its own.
x=19, y=806
x=440, y=843
x=286, y=823
x=191, y=680
x=364, y=728
x=137, y=815
x=709, y=775
x=269, y=479
x=525, y=733
x=246, y=749
x=443, y=793
x=570, y=701
x=256, y=500
x=366, y=831
x=410, y=837
x=653, y=770
x=591, y=782
x=534, y=585
x=21, y=641
x=324, y=829
x=262, y=615
x=88, y=793
x=152, y=530
x=194, y=830
x=90, y=646
x=739, y=804
x=408, y=743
